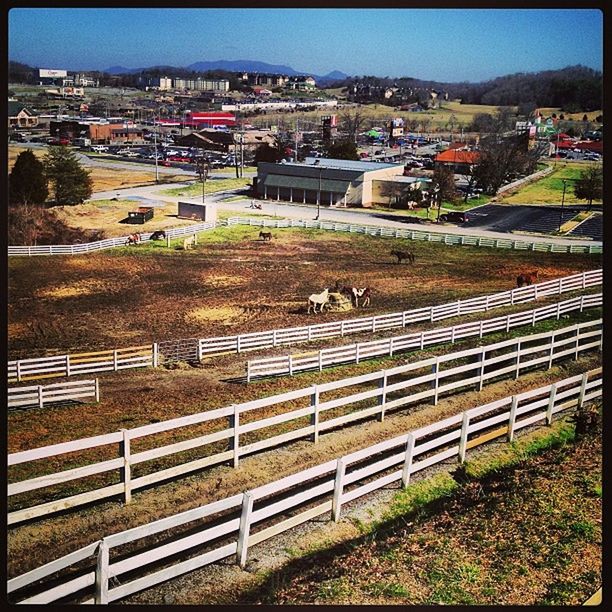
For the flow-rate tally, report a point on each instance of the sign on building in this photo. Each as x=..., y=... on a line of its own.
x=52, y=74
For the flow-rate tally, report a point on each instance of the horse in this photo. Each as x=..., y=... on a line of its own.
x=158, y=235
x=188, y=242
x=265, y=236
x=401, y=255
x=355, y=293
x=527, y=278
x=318, y=298
x=133, y=239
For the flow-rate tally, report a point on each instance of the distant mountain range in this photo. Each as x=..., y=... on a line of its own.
x=237, y=66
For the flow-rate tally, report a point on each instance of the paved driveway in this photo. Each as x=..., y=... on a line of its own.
x=536, y=219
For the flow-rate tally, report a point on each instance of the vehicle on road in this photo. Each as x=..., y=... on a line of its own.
x=99, y=149
x=454, y=216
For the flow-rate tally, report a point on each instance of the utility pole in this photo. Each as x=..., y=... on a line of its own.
x=203, y=172
x=155, y=143
x=297, y=123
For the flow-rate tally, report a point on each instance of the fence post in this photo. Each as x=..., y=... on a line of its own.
x=238, y=344
x=404, y=318
x=126, y=475
x=486, y=303
x=507, y=323
x=115, y=360
x=518, y=359
x=551, y=403
x=243, y=531
x=482, y=368
x=102, y=572
x=583, y=383
x=338, y=486
x=512, y=297
x=168, y=239
x=512, y=419
x=342, y=328
x=577, y=342
x=67, y=365
x=581, y=303
x=290, y=365
x=314, y=417
x=40, y=396
x=533, y=317
x=435, y=369
x=382, y=400
x=155, y=355
x=431, y=314
x=463, y=439
x=274, y=338
x=97, y=391
x=410, y=440
x=357, y=352
x=558, y=310
x=453, y=334
x=18, y=364
x=481, y=326
x=552, y=350
x=199, y=350
x=234, y=441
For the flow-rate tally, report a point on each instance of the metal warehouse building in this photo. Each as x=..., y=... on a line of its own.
x=329, y=182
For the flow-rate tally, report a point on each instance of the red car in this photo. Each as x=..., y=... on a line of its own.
x=175, y=158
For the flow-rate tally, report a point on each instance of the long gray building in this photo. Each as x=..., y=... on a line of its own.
x=332, y=182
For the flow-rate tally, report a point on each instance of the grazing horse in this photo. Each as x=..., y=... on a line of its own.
x=158, y=235
x=318, y=298
x=133, y=239
x=355, y=293
x=527, y=278
x=401, y=255
x=188, y=242
x=265, y=236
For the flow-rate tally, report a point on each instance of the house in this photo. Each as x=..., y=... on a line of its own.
x=328, y=182
x=211, y=140
x=460, y=159
x=19, y=116
x=302, y=83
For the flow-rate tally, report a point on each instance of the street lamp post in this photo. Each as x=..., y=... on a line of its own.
x=562, y=202
x=319, y=196
x=203, y=172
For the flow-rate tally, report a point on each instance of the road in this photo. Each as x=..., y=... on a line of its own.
x=340, y=215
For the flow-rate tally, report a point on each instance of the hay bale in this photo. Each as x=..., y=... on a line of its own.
x=338, y=302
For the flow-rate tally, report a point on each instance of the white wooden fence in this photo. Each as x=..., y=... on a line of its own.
x=230, y=526
x=101, y=245
x=110, y=360
x=149, y=355
x=322, y=408
x=460, y=239
x=355, y=353
x=38, y=395
x=293, y=335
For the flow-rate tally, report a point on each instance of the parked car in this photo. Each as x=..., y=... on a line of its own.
x=99, y=148
x=454, y=216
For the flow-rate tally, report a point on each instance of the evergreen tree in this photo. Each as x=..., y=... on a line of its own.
x=590, y=184
x=342, y=149
x=27, y=180
x=71, y=183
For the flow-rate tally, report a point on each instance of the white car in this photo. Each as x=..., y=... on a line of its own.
x=132, y=154
x=100, y=148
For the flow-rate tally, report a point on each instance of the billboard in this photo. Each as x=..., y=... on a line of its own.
x=52, y=74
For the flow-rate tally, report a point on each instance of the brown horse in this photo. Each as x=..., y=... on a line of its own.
x=355, y=293
x=527, y=278
x=133, y=239
x=265, y=236
x=401, y=255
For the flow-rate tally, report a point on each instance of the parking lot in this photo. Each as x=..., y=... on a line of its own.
x=532, y=219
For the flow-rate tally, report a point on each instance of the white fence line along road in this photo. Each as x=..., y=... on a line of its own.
x=108, y=243
x=371, y=230
x=39, y=395
x=355, y=353
x=425, y=380
x=151, y=356
x=237, y=523
x=449, y=239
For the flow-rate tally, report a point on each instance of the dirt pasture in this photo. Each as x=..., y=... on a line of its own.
x=232, y=282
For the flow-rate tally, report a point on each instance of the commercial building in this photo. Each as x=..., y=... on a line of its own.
x=19, y=116
x=334, y=182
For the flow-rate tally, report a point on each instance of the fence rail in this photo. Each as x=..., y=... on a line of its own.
x=460, y=239
x=38, y=395
x=322, y=407
x=82, y=363
x=355, y=353
x=234, y=524
x=101, y=245
x=152, y=355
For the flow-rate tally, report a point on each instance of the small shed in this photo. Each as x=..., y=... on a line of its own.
x=197, y=211
x=142, y=215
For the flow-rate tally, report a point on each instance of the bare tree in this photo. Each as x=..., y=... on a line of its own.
x=352, y=122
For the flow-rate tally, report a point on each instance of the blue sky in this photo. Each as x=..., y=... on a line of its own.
x=439, y=44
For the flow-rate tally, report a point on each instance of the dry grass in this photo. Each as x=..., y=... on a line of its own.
x=106, y=178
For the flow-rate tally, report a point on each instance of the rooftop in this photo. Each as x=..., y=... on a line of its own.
x=346, y=164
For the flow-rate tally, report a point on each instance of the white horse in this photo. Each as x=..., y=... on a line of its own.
x=188, y=242
x=318, y=298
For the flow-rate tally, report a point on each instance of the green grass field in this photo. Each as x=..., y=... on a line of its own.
x=212, y=186
x=549, y=190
